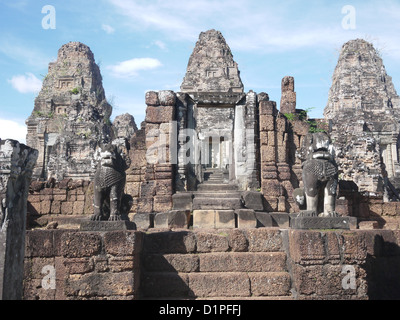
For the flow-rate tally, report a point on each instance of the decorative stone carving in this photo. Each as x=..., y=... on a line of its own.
x=320, y=175
x=109, y=184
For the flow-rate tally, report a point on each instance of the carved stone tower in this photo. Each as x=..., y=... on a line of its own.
x=211, y=67
x=364, y=111
x=70, y=118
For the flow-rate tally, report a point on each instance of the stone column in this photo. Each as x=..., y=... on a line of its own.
x=158, y=187
x=288, y=99
x=270, y=185
x=16, y=164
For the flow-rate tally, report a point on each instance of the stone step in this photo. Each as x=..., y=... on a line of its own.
x=216, y=187
x=216, y=262
x=213, y=182
x=215, y=284
x=217, y=203
x=225, y=194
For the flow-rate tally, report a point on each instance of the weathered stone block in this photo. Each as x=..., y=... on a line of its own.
x=171, y=262
x=243, y=262
x=246, y=218
x=182, y=201
x=160, y=114
x=307, y=247
x=270, y=284
x=79, y=207
x=212, y=242
x=172, y=219
x=204, y=219
x=80, y=244
x=101, y=284
x=321, y=222
x=162, y=203
x=267, y=123
x=165, y=284
x=167, y=97
x=164, y=187
x=170, y=242
x=145, y=205
x=280, y=219
x=224, y=284
x=151, y=98
x=253, y=200
x=264, y=219
x=121, y=264
x=55, y=207
x=264, y=239
x=271, y=188
x=144, y=220
x=122, y=243
x=264, y=138
x=224, y=219
x=237, y=240
x=268, y=108
x=389, y=209
x=45, y=206
x=67, y=207
x=39, y=243
x=78, y=265
x=268, y=153
x=148, y=189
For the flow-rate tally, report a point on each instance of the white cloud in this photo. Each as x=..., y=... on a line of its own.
x=26, y=83
x=10, y=129
x=107, y=28
x=266, y=26
x=160, y=44
x=130, y=68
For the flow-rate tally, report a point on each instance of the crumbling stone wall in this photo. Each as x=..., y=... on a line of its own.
x=150, y=179
x=224, y=264
x=280, y=169
x=357, y=264
x=68, y=198
x=70, y=265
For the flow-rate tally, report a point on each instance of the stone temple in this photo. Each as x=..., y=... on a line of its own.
x=363, y=110
x=71, y=117
x=214, y=188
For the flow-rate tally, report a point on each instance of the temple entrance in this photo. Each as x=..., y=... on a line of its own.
x=216, y=153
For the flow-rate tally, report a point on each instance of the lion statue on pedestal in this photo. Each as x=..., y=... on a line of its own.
x=320, y=176
x=109, y=184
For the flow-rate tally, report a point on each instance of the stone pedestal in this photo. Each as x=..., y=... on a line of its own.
x=307, y=223
x=107, y=225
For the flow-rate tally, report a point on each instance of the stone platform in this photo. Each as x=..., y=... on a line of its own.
x=308, y=223
x=90, y=225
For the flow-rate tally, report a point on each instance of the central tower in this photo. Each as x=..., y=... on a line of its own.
x=219, y=114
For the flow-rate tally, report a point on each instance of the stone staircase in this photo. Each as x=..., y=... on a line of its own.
x=220, y=264
x=215, y=193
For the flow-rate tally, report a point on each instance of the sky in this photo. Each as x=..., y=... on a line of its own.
x=146, y=45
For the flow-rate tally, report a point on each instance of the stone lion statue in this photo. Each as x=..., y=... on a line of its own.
x=109, y=184
x=320, y=176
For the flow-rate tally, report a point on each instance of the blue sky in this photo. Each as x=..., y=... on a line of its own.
x=145, y=45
